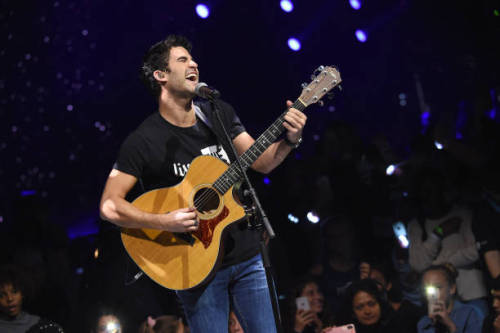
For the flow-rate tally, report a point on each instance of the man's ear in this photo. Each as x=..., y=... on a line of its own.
x=160, y=76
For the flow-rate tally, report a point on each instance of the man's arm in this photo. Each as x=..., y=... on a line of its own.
x=275, y=153
x=116, y=209
x=421, y=253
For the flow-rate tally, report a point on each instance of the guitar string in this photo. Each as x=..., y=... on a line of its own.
x=278, y=125
x=208, y=195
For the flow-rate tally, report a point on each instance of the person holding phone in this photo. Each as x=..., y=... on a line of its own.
x=445, y=313
x=308, y=309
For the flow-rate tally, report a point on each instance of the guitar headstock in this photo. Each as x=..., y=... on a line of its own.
x=324, y=79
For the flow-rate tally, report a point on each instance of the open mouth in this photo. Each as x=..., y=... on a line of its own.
x=192, y=77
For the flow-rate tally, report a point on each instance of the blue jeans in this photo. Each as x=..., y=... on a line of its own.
x=207, y=307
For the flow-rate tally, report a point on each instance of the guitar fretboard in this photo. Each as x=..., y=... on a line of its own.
x=233, y=173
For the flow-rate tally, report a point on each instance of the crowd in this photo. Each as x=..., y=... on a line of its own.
x=441, y=274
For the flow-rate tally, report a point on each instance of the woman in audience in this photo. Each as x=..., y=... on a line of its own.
x=446, y=314
x=315, y=316
x=12, y=317
x=365, y=307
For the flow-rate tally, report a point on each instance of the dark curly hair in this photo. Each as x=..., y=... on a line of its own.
x=157, y=59
x=346, y=313
x=10, y=274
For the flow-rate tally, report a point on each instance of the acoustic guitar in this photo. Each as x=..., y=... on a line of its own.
x=180, y=261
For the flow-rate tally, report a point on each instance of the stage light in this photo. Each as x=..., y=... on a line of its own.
x=294, y=44
x=355, y=4
x=292, y=218
x=438, y=145
x=286, y=5
x=27, y=193
x=390, y=170
x=267, y=181
x=425, y=118
x=202, y=10
x=313, y=217
x=361, y=36
x=496, y=12
x=492, y=114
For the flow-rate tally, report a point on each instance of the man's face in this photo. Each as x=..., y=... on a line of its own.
x=11, y=300
x=182, y=74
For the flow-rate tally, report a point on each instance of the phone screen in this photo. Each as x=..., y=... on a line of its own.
x=401, y=235
x=302, y=303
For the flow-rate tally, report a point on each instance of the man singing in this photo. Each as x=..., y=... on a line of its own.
x=158, y=153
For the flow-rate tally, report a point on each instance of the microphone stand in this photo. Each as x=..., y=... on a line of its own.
x=255, y=224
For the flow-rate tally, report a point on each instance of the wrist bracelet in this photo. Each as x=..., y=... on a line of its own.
x=438, y=231
x=293, y=144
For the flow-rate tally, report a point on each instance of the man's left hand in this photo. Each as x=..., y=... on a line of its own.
x=294, y=123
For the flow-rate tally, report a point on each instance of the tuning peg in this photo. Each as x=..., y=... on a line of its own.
x=320, y=68
x=330, y=95
x=313, y=77
x=303, y=85
x=321, y=103
x=340, y=87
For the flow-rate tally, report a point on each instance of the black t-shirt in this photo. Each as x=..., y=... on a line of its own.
x=159, y=154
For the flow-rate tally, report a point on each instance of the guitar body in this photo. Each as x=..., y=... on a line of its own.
x=184, y=261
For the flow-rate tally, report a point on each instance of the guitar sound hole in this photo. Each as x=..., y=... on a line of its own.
x=206, y=200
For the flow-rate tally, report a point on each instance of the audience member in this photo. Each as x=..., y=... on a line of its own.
x=163, y=324
x=486, y=226
x=405, y=314
x=234, y=324
x=316, y=315
x=12, y=317
x=445, y=312
x=491, y=323
x=365, y=307
x=340, y=259
x=442, y=233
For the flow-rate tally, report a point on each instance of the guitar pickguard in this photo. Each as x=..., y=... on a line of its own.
x=206, y=228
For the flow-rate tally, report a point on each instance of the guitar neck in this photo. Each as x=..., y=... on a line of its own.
x=233, y=173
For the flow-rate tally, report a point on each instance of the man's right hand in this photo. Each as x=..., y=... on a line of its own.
x=180, y=220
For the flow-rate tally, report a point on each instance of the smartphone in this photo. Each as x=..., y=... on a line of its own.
x=432, y=294
x=302, y=303
x=401, y=234
x=349, y=328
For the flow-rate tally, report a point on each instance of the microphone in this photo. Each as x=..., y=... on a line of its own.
x=204, y=91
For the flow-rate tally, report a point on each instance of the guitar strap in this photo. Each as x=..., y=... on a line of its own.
x=203, y=118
